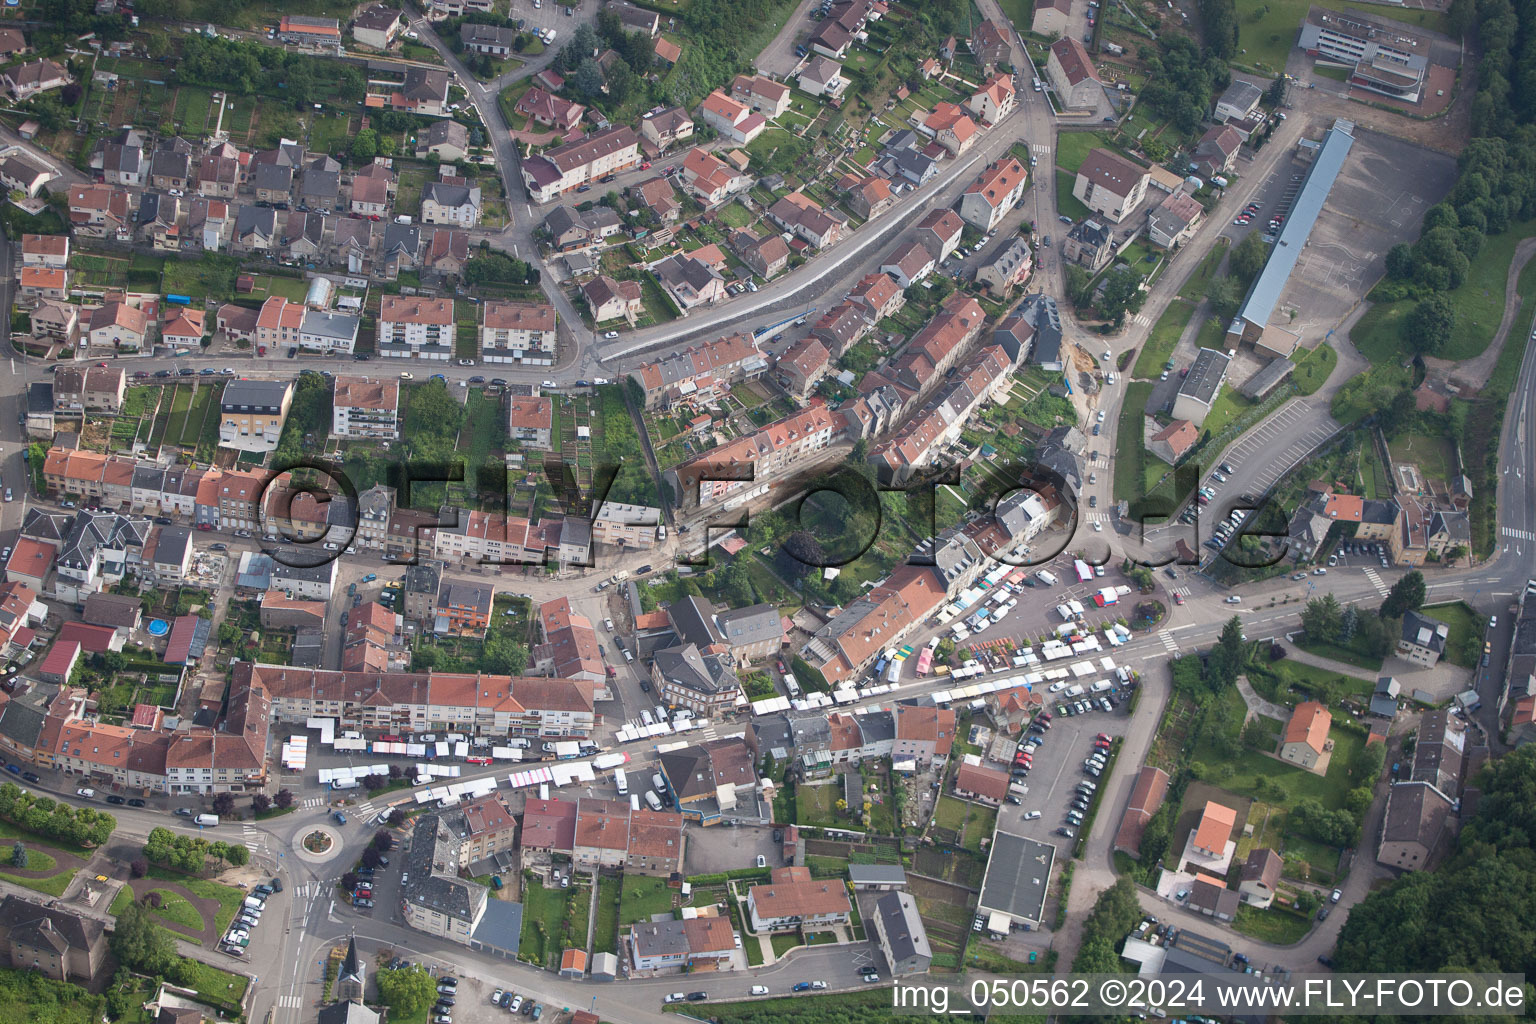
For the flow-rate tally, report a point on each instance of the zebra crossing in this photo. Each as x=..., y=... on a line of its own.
x=1376, y=581
x=365, y=809
x=1169, y=644
x=254, y=839
x=1510, y=531
x=304, y=890
x=314, y=801
x=1141, y=319
x=1183, y=591
x=289, y=1002
x=1040, y=149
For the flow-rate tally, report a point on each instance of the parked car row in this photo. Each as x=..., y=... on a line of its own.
x=512, y=1003
x=238, y=937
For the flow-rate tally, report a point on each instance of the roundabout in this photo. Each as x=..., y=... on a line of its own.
x=316, y=845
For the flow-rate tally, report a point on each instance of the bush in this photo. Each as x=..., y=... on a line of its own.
x=138, y=867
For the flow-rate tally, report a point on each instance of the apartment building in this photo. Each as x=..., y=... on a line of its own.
x=363, y=407
x=700, y=371
x=251, y=414
x=415, y=327
x=513, y=332
x=765, y=454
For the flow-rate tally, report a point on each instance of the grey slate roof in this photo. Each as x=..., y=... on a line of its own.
x=273, y=177
x=743, y=626
x=254, y=394
x=686, y=667
x=903, y=927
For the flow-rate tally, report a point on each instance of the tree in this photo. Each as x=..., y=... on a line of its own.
x=1248, y=258
x=224, y=804
x=1307, y=902
x=1406, y=595
x=261, y=803
x=19, y=857
x=1428, y=328
x=371, y=857
x=140, y=944
x=229, y=633
x=407, y=992
x=1225, y=296
x=365, y=146
x=349, y=880
x=382, y=840
x=589, y=79
x=283, y=799
x=1275, y=94
x=138, y=867
x=1320, y=619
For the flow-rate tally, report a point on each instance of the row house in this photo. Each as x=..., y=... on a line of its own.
x=841, y=327
x=98, y=211
x=99, y=389
x=868, y=196
x=769, y=453
x=807, y=220
x=568, y=648
x=482, y=705
x=702, y=370
x=879, y=295
x=767, y=256
x=879, y=619
x=624, y=526
x=802, y=366
x=585, y=160
x=940, y=422
x=939, y=344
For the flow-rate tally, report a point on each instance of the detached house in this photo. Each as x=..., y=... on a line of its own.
x=516, y=331
x=995, y=100
x=766, y=256
x=442, y=203
x=549, y=110
x=951, y=127
x=609, y=299
x=1110, y=185
x=667, y=127
x=824, y=77
x=119, y=325
x=994, y=193
x=733, y=120
x=689, y=282
x=762, y=94
x=807, y=220
x=33, y=78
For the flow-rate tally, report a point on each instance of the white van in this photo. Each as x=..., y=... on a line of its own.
x=621, y=781
x=645, y=716
x=653, y=801
x=659, y=783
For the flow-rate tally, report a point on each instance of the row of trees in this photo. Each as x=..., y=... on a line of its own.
x=190, y=853
x=1495, y=187
x=1325, y=620
x=79, y=827
x=244, y=68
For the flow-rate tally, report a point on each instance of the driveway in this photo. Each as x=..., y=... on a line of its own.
x=778, y=58
x=723, y=848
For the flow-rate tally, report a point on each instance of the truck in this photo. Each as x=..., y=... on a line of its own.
x=1084, y=571
x=603, y=762
x=621, y=781
x=790, y=684
x=207, y=820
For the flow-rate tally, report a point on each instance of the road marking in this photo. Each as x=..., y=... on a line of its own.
x=253, y=838
x=1168, y=642
x=1510, y=531
x=289, y=1002
x=366, y=808
x=314, y=801
x=1375, y=578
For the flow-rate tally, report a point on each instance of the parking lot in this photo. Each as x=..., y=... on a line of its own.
x=1057, y=773
x=551, y=14
x=1379, y=200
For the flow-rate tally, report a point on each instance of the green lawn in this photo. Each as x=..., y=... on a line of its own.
x=543, y=914
x=1164, y=337
x=783, y=942
x=121, y=901
x=643, y=897
x=228, y=896
x=735, y=215
x=813, y=805
x=1314, y=368
x=1435, y=456
x=1277, y=925
x=1131, y=455
x=1229, y=406
x=176, y=909
x=1479, y=306
x=53, y=885
x=1194, y=287
x=1268, y=38
x=605, y=933
x=38, y=860
x=1343, y=654
x=1072, y=149
x=222, y=988
x=1067, y=204
x=1290, y=673
x=1249, y=766
x=1464, y=623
